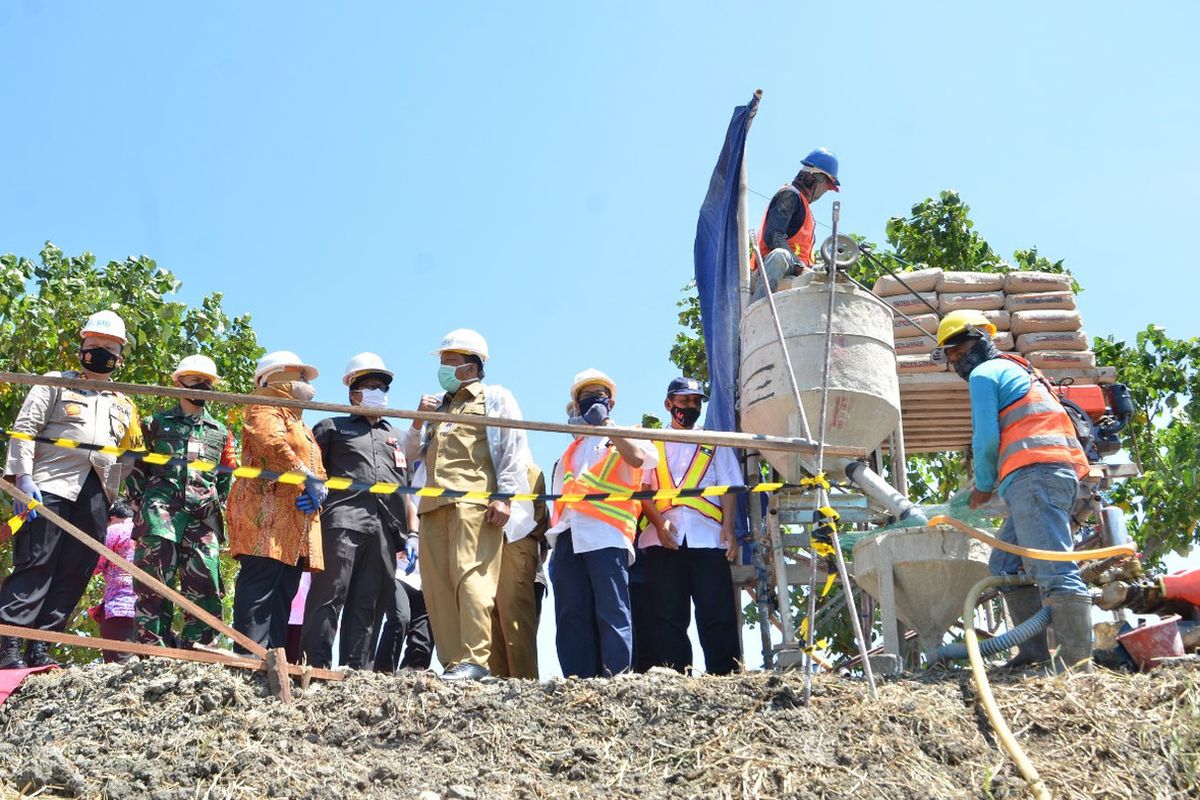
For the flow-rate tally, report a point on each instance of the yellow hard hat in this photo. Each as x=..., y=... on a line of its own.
x=956, y=322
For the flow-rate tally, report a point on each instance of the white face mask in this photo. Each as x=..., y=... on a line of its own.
x=303, y=391
x=373, y=398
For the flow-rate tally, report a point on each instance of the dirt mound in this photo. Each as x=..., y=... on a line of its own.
x=167, y=730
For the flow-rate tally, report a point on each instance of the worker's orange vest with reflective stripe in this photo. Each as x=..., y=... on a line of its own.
x=800, y=242
x=608, y=475
x=696, y=470
x=1036, y=429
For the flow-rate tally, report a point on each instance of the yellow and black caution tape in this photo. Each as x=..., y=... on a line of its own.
x=343, y=484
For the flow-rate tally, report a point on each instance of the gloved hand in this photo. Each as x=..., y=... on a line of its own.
x=596, y=414
x=411, y=552
x=313, y=496
x=25, y=484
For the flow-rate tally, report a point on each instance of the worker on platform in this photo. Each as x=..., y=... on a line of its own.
x=51, y=569
x=461, y=540
x=514, y=617
x=785, y=237
x=180, y=512
x=1025, y=448
x=689, y=544
x=361, y=531
x=592, y=540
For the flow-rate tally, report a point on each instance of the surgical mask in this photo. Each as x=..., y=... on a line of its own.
x=686, y=416
x=98, y=360
x=448, y=378
x=303, y=390
x=983, y=350
x=373, y=398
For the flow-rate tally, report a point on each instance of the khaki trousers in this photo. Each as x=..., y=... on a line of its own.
x=460, y=568
x=514, y=619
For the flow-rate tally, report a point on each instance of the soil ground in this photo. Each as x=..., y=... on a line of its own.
x=164, y=730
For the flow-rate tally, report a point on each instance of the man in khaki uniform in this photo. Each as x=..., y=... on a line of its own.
x=51, y=568
x=515, y=616
x=461, y=541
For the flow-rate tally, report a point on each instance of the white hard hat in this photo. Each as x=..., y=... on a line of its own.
x=196, y=365
x=364, y=362
x=592, y=376
x=104, y=323
x=464, y=340
x=282, y=359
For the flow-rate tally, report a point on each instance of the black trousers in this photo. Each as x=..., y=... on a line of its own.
x=675, y=579
x=51, y=568
x=262, y=599
x=405, y=629
x=358, y=568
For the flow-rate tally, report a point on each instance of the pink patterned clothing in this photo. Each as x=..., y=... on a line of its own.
x=119, y=597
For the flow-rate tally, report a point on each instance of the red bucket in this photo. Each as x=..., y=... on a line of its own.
x=1148, y=643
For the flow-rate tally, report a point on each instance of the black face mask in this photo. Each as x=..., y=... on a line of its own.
x=685, y=415
x=983, y=350
x=200, y=387
x=98, y=360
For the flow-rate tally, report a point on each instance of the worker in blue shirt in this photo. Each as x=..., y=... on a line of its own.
x=1025, y=447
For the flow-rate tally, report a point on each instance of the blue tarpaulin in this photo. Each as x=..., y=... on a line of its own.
x=717, y=277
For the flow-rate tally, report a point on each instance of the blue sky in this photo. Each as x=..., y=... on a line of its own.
x=367, y=176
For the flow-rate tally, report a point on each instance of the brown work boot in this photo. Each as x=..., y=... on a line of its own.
x=10, y=653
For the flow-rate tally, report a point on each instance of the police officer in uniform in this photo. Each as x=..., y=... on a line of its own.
x=51, y=568
x=179, y=526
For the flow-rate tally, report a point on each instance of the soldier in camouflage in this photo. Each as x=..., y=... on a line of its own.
x=180, y=525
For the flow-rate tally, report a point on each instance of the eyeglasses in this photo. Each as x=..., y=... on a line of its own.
x=589, y=395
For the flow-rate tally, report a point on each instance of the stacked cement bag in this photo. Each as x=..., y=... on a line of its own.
x=1034, y=314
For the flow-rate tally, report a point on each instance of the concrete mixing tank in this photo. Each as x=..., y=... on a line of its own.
x=864, y=396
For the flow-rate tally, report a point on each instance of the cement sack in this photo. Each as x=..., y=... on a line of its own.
x=921, y=280
x=1062, y=359
x=1050, y=301
x=910, y=304
x=917, y=346
x=913, y=365
x=971, y=282
x=1038, y=320
x=904, y=329
x=1003, y=341
x=976, y=301
x=1052, y=340
x=1000, y=318
x=1019, y=282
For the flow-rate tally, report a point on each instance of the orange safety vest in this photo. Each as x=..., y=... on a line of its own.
x=800, y=242
x=1036, y=429
x=608, y=475
x=701, y=459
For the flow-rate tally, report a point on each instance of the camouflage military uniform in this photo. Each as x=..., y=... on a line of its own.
x=180, y=527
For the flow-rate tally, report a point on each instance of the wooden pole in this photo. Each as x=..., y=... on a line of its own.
x=206, y=656
x=719, y=438
x=138, y=573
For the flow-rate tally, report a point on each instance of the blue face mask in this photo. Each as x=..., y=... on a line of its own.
x=448, y=378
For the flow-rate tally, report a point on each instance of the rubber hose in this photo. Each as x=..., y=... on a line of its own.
x=979, y=674
x=1022, y=633
x=1040, y=555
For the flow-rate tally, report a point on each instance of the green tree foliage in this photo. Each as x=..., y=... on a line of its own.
x=44, y=304
x=1163, y=438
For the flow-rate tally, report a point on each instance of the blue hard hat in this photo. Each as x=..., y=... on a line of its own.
x=824, y=161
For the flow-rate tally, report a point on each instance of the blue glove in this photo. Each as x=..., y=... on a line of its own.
x=596, y=414
x=313, y=496
x=25, y=484
x=411, y=552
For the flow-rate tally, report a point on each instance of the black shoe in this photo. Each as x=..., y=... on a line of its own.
x=38, y=655
x=10, y=653
x=465, y=672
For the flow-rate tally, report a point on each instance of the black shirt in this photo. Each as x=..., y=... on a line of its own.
x=354, y=447
x=785, y=215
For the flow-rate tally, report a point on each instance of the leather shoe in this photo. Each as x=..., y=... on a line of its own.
x=38, y=655
x=10, y=653
x=465, y=672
